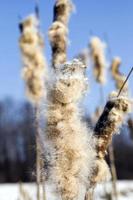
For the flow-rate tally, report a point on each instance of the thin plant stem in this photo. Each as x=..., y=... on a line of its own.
x=38, y=164
x=125, y=82
x=40, y=177
x=89, y=194
x=113, y=171
x=111, y=150
x=43, y=182
x=43, y=190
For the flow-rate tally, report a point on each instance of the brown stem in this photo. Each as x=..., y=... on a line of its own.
x=125, y=82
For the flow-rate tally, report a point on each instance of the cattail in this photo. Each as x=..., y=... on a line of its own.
x=110, y=121
x=58, y=33
x=117, y=75
x=58, y=38
x=97, y=48
x=71, y=147
x=116, y=62
x=62, y=10
x=83, y=56
x=107, y=125
x=31, y=44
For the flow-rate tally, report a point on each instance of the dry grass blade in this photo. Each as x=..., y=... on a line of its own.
x=125, y=82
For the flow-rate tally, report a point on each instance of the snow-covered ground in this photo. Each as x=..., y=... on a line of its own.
x=124, y=188
x=12, y=191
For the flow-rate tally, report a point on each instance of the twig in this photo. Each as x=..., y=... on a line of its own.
x=125, y=82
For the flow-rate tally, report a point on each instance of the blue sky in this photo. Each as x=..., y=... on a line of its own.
x=100, y=16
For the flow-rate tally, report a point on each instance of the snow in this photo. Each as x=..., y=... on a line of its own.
x=12, y=191
x=124, y=188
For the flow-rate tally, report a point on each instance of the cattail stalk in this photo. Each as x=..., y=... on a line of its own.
x=113, y=170
x=107, y=125
x=58, y=32
x=121, y=85
x=109, y=122
x=31, y=45
x=70, y=147
x=97, y=50
x=62, y=11
x=117, y=75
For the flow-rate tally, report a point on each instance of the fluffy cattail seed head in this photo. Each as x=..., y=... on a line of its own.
x=117, y=75
x=71, y=82
x=116, y=62
x=71, y=148
x=62, y=11
x=58, y=38
x=110, y=120
x=31, y=45
x=59, y=31
x=97, y=48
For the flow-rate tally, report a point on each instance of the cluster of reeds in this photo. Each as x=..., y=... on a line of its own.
x=74, y=155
